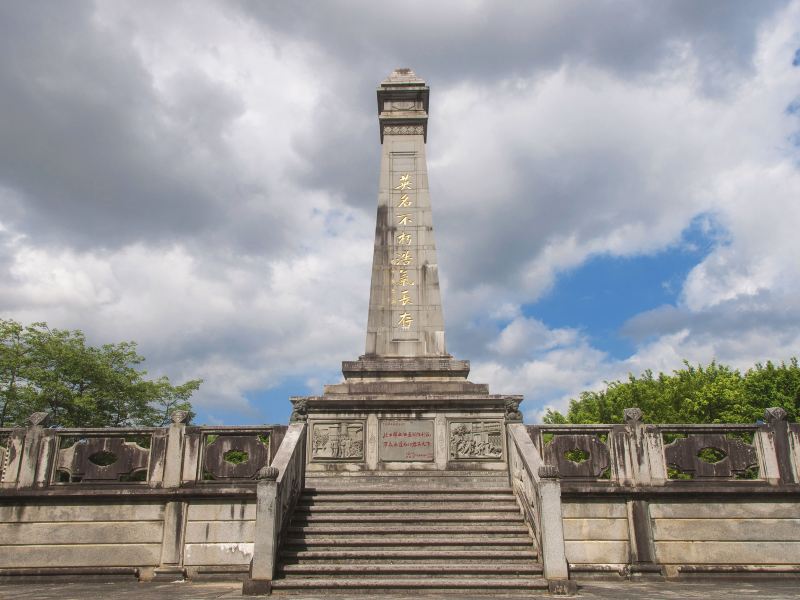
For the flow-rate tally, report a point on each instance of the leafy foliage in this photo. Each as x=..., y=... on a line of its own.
x=54, y=370
x=712, y=394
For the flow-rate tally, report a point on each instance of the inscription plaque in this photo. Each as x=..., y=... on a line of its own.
x=406, y=440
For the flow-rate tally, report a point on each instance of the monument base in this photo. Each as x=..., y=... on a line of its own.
x=406, y=415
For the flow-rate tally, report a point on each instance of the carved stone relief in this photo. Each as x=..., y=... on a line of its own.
x=337, y=441
x=403, y=130
x=476, y=440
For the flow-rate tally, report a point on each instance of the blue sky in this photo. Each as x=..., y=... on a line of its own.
x=605, y=291
x=201, y=178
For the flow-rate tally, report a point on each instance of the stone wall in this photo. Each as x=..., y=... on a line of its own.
x=741, y=533
x=81, y=534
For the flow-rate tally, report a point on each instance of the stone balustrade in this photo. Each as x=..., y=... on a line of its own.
x=156, y=457
x=678, y=500
x=175, y=500
x=279, y=489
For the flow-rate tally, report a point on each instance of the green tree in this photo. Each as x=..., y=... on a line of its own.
x=54, y=370
x=712, y=394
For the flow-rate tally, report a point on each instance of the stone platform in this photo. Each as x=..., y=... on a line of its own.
x=717, y=590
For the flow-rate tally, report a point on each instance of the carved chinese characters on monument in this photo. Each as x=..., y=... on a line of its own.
x=403, y=261
x=476, y=440
x=337, y=441
x=406, y=440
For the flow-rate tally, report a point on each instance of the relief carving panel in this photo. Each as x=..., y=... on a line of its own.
x=403, y=130
x=342, y=440
x=476, y=440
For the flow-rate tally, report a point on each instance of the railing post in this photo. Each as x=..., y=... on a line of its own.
x=31, y=470
x=775, y=446
x=629, y=451
x=553, y=554
x=13, y=458
x=173, y=458
x=772, y=442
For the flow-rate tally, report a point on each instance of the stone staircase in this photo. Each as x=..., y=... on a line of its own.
x=391, y=534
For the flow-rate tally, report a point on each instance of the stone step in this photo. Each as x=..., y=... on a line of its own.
x=377, y=584
x=508, y=506
x=371, y=555
x=414, y=541
x=416, y=569
x=384, y=529
x=407, y=517
x=454, y=481
x=429, y=496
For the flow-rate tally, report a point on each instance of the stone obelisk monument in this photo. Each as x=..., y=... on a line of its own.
x=405, y=404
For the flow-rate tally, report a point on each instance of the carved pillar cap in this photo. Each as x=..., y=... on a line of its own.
x=548, y=472
x=39, y=419
x=270, y=473
x=512, y=409
x=776, y=413
x=179, y=416
x=299, y=409
x=632, y=416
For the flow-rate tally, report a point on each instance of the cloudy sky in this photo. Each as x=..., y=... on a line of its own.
x=615, y=185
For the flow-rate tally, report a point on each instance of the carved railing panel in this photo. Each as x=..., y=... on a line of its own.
x=105, y=459
x=235, y=456
x=578, y=452
x=710, y=454
x=635, y=453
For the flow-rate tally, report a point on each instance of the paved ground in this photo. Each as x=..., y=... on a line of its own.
x=776, y=590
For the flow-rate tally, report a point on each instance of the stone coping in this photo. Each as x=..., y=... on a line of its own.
x=123, y=490
x=695, y=489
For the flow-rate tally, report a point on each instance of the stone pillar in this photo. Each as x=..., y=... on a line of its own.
x=554, y=557
x=640, y=533
x=262, y=567
x=171, y=566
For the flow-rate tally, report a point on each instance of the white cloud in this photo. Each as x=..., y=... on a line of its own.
x=200, y=178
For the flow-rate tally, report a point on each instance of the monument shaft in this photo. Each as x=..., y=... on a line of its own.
x=405, y=309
